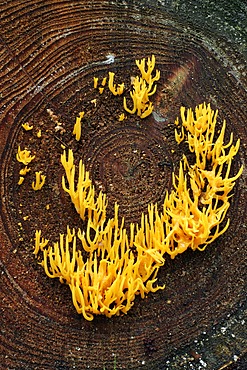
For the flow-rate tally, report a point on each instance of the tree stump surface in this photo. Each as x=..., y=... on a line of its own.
x=50, y=51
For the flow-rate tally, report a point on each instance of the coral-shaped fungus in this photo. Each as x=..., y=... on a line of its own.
x=105, y=265
x=27, y=126
x=143, y=88
x=24, y=156
x=77, y=126
x=200, y=199
x=39, y=181
x=112, y=87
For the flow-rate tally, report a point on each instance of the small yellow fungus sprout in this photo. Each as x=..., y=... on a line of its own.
x=39, y=134
x=39, y=181
x=24, y=171
x=103, y=83
x=95, y=82
x=24, y=156
x=112, y=87
x=77, y=126
x=101, y=90
x=83, y=195
x=142, y=89
x=27, y=126
x=40, y=243
x=179, y=137
x=122, y=117
x=120, y=88
x=21, y=179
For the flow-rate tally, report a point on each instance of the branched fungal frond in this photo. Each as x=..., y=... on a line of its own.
x=39, y=181
x=112, y=87
x=24, y=156
x=107, y=281
x=194, y=211
x=147, y=75
x=77, y=126
x=82, y=194
x=143, y=88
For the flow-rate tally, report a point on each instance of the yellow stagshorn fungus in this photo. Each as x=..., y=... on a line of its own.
x=105, y=265
x=193, y=212
x=40, y=243
x=107, y=281
x=142, y=89
x=112, y=87
x=121, y=117
x=24, y=156
x=95, y=82
x=83, y=194
x=27, y=126
x=24, y=171
x=147, y=75
x=39, y=181
x=77, y=126
x=21, y=179
x=103, y=83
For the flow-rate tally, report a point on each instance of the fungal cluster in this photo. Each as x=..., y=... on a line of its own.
x=105, y=263
x=143, y=87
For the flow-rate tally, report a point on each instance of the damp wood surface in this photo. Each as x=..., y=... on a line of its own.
x=50, y=51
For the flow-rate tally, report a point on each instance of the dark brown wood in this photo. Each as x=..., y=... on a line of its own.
x=49, y=53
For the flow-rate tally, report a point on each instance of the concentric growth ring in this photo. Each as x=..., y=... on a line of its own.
x=133, y=168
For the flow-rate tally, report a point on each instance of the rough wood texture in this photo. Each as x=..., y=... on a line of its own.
x=49, y=53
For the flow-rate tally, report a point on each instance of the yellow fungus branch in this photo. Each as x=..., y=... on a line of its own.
x=21, y=179
x=147, y=75
x=24, y=156
x=121, y=117
x=24, y=171
x=143, y=88
x=77, y=126
x=39, y=181
x=27, y=126
x=40, y=243
x=83, y=194
x=112, y=87
x=104, y=81
x=95, y=82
